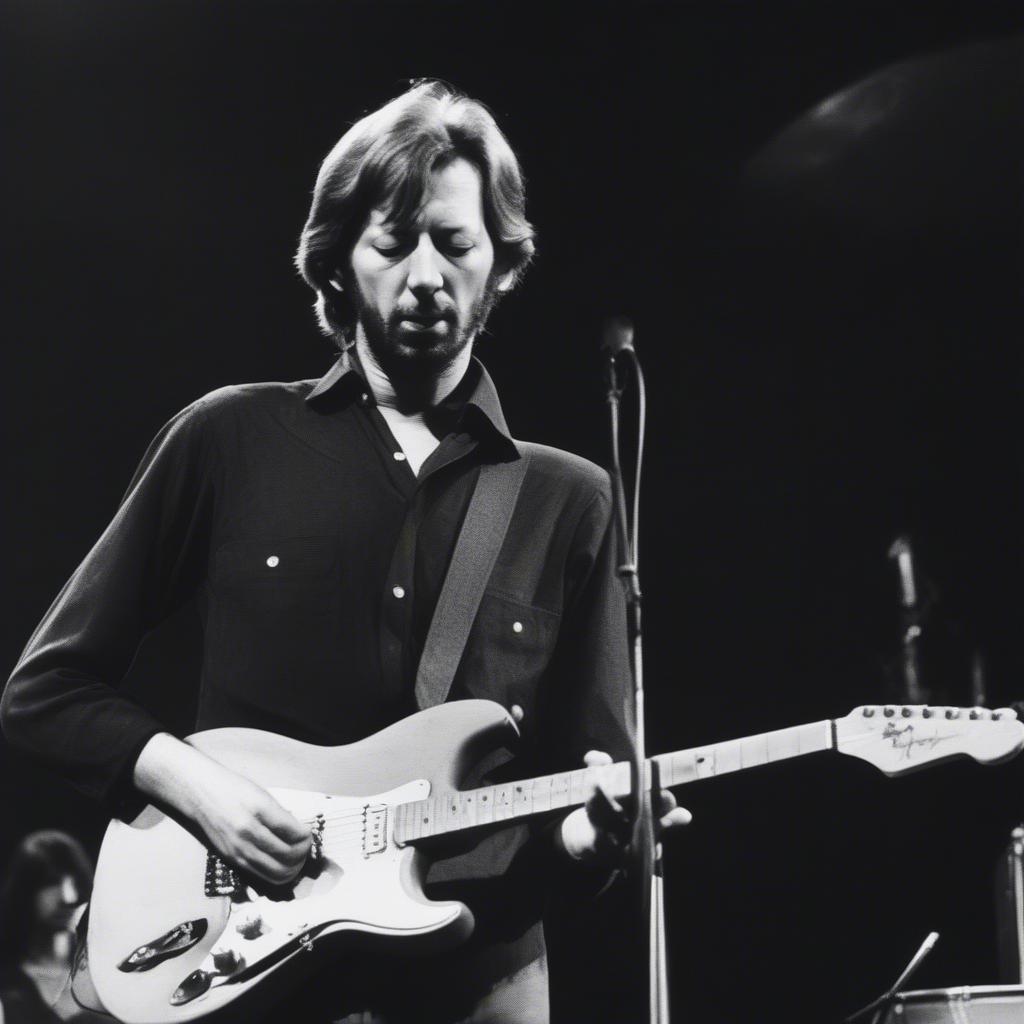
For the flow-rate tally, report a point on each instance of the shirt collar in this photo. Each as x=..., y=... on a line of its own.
x=475, y=393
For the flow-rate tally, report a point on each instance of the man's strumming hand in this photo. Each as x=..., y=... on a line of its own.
x=599, y=832
x=242, y=821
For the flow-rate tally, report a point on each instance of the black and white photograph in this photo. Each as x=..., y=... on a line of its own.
x=516, y=512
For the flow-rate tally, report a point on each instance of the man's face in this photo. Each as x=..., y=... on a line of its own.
x=423, y=290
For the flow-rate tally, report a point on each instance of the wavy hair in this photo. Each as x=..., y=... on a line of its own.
x=385, y=160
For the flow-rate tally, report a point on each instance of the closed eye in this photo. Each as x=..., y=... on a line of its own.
x=390, y=251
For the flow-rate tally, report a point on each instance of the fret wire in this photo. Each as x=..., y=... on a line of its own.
x=563, y=790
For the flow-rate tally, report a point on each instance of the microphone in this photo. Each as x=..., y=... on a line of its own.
x=618, y=336
x=901, y=552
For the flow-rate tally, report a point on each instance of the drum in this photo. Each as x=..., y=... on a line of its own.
x=970, y=1004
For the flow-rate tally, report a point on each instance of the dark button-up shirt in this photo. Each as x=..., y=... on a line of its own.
x=317, y=557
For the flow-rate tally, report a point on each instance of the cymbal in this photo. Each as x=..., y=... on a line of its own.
x=931, y=142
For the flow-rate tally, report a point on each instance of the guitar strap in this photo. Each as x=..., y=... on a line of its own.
x=476, y=551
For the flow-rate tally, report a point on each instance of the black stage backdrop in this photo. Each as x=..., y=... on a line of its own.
x=826, y=294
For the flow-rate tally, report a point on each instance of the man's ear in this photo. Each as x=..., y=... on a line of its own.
x=504, y=281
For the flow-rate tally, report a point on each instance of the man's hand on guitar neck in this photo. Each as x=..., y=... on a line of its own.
x=599, y=832
x=243, y=822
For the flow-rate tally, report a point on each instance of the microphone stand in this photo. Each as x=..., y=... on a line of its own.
x=645, y=850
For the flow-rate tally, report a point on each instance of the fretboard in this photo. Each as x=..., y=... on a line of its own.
x=454, y=810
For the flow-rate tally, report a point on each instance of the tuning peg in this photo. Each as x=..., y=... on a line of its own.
x=926, y=712
x=906, y=712
x=888, y=711
x=977, y=713
x=952, y=712
x=868, y=712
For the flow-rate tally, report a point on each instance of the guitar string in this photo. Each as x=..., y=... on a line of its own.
x=356, y=817
x=359, y=811
x=353, y=819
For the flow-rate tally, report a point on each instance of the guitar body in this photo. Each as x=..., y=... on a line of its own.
x=175, y=935
x=164, y=945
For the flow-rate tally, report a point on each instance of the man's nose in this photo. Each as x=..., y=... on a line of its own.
x=425, y=275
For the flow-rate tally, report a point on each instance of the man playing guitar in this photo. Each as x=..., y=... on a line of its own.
x=314, y=523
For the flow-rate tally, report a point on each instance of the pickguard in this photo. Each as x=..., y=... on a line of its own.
x=356, y=882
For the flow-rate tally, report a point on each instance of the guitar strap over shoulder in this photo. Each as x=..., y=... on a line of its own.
x=476, y=550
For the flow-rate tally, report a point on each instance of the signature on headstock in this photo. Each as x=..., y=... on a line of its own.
x=903, y=738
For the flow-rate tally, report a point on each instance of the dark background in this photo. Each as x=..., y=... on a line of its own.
x=829, y=319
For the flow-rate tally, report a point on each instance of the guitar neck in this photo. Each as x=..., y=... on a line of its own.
x=456, y=810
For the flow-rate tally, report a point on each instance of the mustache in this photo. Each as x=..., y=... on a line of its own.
x=426, y=313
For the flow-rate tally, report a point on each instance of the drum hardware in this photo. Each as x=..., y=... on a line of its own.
x=882, y=1004
x=1009, y=893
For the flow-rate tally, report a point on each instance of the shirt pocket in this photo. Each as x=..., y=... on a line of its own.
x=508, y=652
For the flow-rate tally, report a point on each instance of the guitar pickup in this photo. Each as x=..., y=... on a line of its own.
x=173, y=943
x=375, y=829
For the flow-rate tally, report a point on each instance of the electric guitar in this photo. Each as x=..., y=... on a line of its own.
x=175, y=934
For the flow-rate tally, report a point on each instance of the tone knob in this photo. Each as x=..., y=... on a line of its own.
x=226, y=961
x=251, y=927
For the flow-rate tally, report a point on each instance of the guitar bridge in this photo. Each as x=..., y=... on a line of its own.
x=221, y=878
x=316, y=850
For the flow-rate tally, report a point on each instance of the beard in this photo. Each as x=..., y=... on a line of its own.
x=402, y=353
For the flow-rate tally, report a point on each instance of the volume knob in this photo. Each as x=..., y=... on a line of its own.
x=227, y=961
x=251, y=927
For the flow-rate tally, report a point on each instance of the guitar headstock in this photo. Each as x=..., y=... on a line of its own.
x=898, y=738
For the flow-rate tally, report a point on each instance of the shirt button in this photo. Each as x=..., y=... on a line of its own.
x=399, y=592
x=273, y=561
x=364, y=398
x=517, y=627
x=399, y=456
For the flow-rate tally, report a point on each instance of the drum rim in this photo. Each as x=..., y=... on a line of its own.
x=958, y=992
